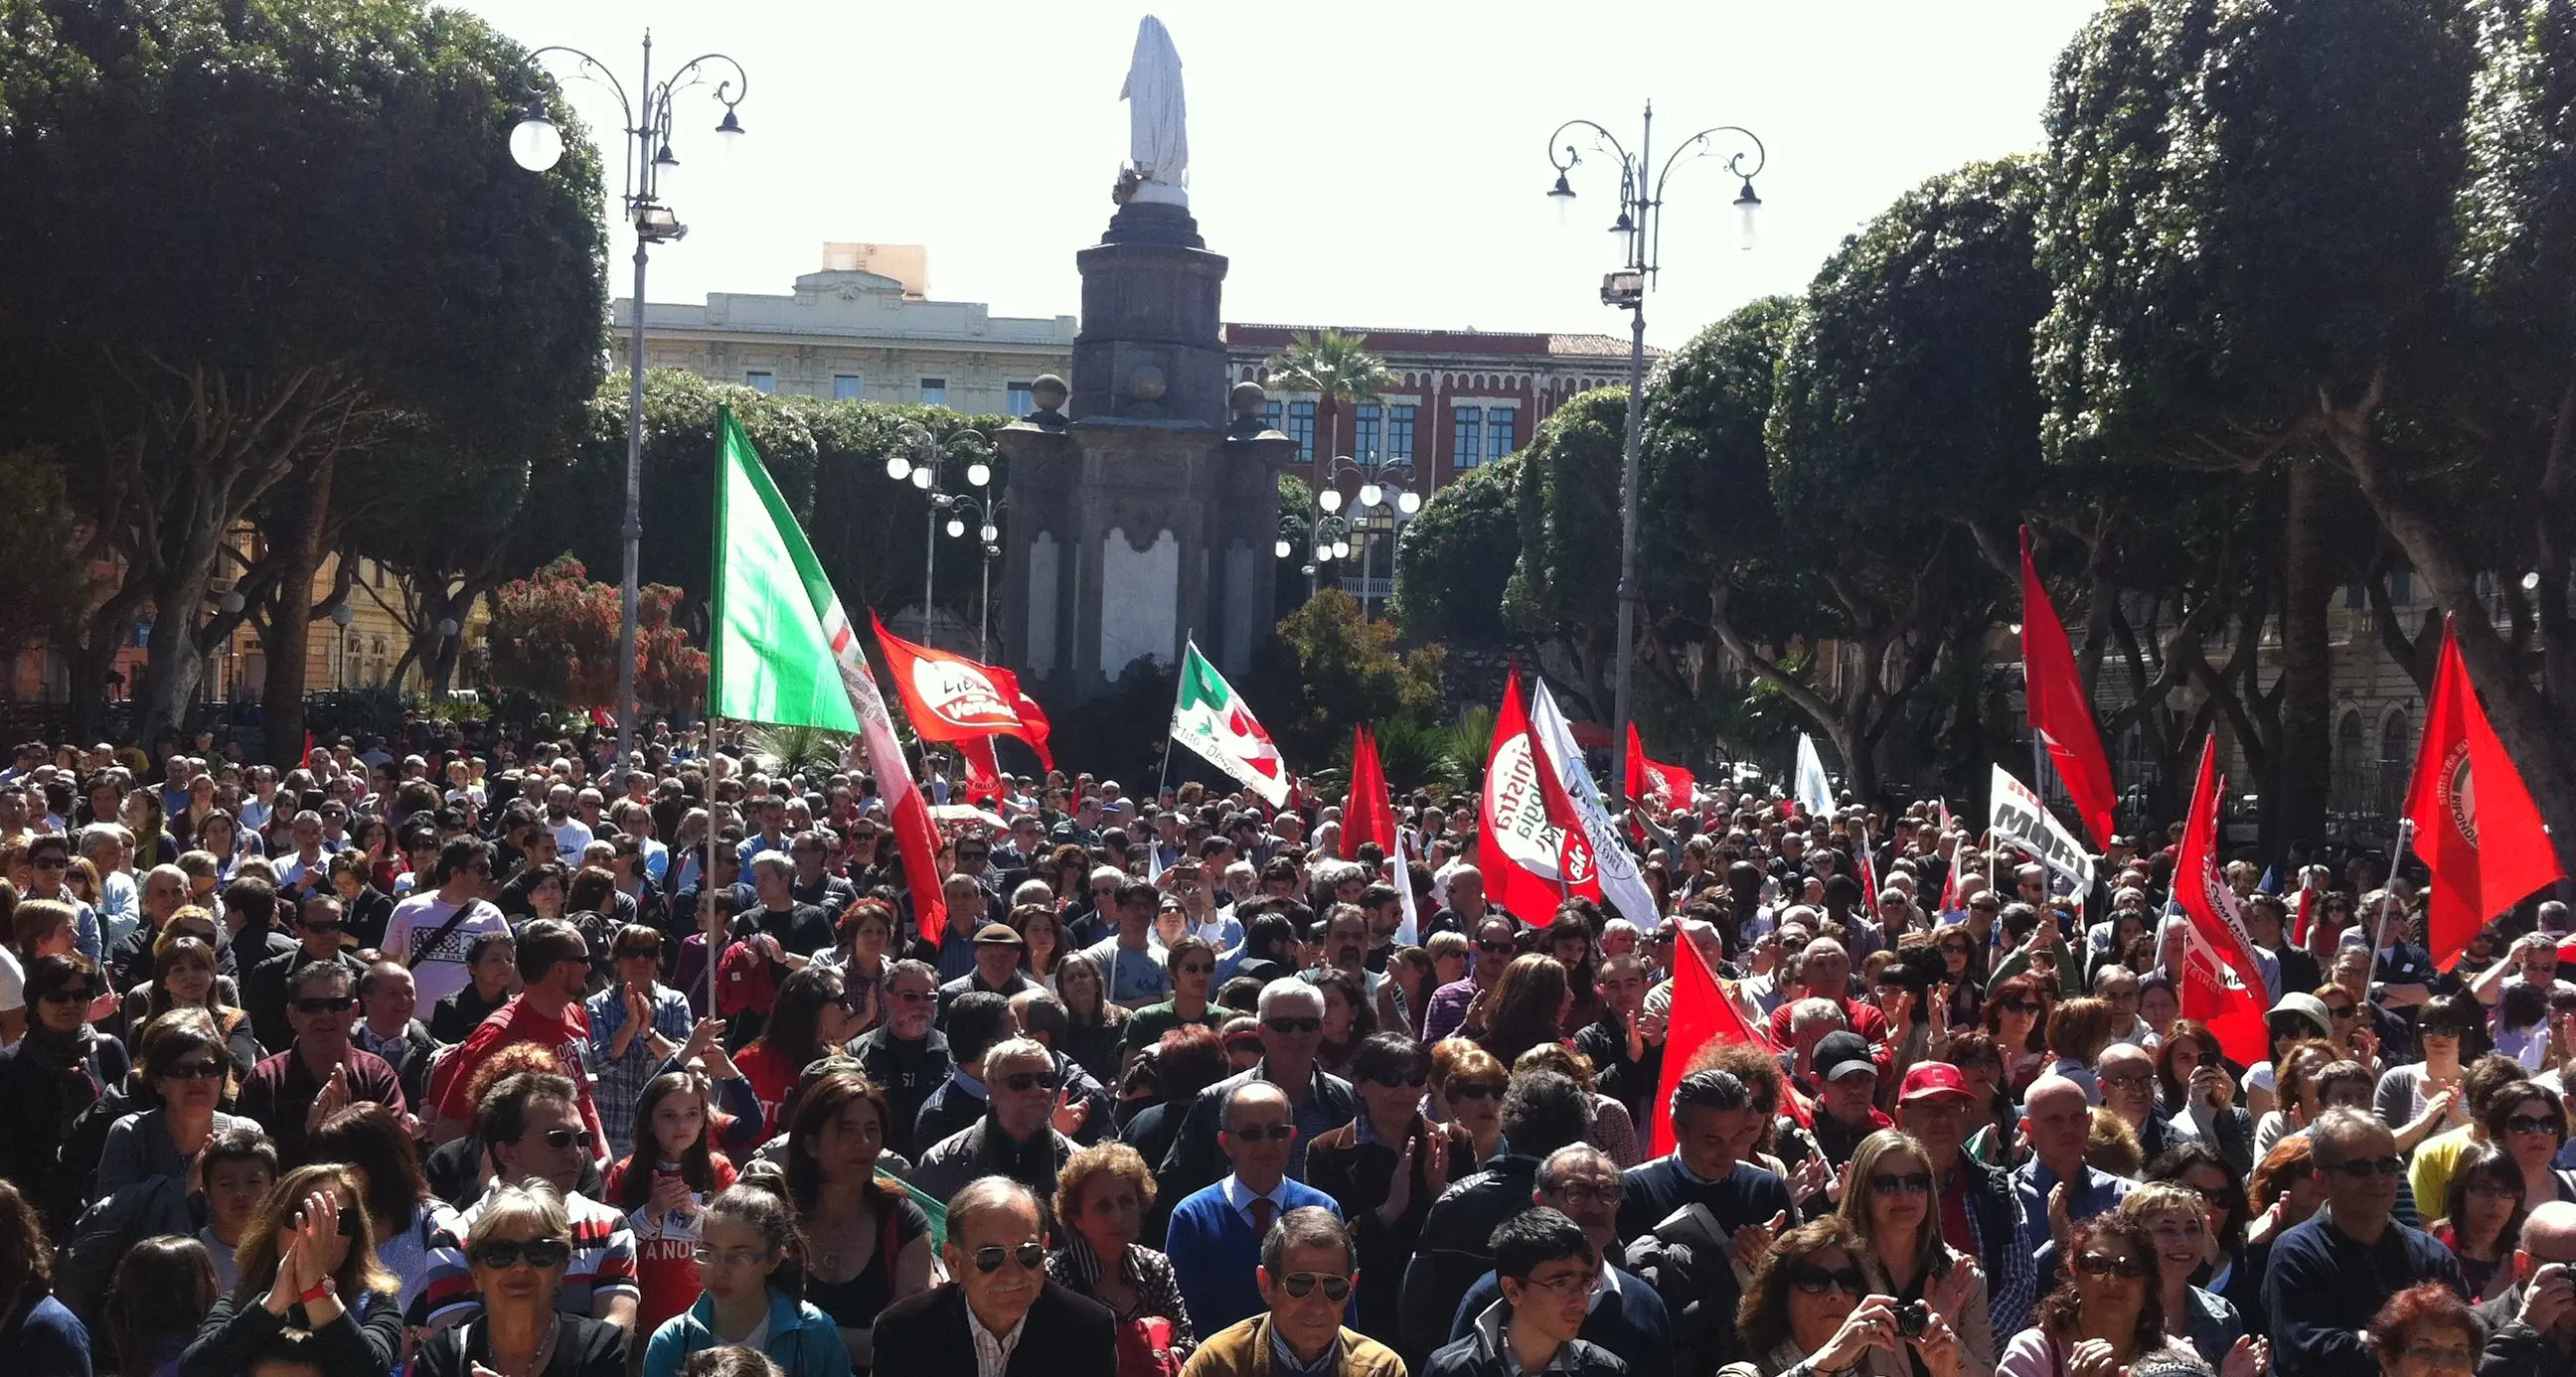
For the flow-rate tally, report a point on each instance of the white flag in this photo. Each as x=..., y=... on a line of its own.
x=2018, y=818
x=1409, y=932
x=1815, y=796
x=1621, y=883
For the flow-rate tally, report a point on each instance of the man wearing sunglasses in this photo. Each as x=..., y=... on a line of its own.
x=322, y=1072
x=2332, y=1272
x=319, y=922
x=554, y=974
x=1308, y=1269
x=999, y=1315
x=1292, y=1032
x=1017, y=1137
x=532, y=1129
x=904, y=1053
x=1217, y=1233
x=1495, y=946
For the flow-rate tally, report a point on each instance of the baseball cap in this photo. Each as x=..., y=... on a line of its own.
x=1932, y=1080
x=998, y=935
x=1844, y=1053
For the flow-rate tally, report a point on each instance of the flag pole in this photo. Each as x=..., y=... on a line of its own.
x=707, y=874
x=1163, y=777
x=2388, y=887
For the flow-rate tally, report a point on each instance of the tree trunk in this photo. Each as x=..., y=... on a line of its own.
x=2307, y=679
x=290, y=640
x=174, y=667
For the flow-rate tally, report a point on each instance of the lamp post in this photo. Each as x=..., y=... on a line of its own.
x=1374, y=493
x=921, y=469
x=537, y=145
x=1640, y=226
x=988, y=533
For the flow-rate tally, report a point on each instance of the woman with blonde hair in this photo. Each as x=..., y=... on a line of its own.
x=519, y=1246
x=307, y=1261
x=1470, y=1090
x=2177, y=1225
x=1888, y=1199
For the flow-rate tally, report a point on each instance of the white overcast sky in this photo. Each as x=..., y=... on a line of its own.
x=1371, y=164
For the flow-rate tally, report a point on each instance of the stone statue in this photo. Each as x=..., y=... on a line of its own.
x=1158, y=146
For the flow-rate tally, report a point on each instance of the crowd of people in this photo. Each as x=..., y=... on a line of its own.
x=508, y=1058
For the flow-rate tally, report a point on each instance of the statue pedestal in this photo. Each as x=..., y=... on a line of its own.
x=1140, y=518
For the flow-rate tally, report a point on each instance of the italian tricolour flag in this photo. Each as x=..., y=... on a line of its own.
x=1208, y=718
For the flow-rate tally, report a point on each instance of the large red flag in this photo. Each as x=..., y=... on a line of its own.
x=2221, y=985
x=2059, y=710
x=2475, y=824
x=1701, y=1014
x=1366, y=815
x=1662, y=787
x=951, y=698
x=1521, y=851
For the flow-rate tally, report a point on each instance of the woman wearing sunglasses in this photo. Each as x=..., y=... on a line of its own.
x=186, y=1067
x=519, y=1245
x=1470, y=1092
x=61, y=1067
x=1809, y=1310
x=1385, y=1184
x=2105, y=1314
x=2528, y=1121
x=1889, y=1203
x=308, y=1261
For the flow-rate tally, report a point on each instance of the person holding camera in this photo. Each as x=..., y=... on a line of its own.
x=1809, y=1311
x=1888, y=1198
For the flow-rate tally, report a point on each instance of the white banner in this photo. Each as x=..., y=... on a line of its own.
x=2020, y=819
x=1621, y=883
x=1815, y=795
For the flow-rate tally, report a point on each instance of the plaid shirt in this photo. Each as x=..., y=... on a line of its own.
x=621, y=1080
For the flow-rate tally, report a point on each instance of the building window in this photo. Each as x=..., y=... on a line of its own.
x=848, y=387
x=1271, y=415
x=1466, y=437
x=2401, y=587
x=760, y=380
x=1018, y=399
x=1365, y=432
x=934, y=392
x=1399, y=434
x=1301, y=428
x=1500, y=423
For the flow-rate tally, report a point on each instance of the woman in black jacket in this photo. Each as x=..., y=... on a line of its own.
x=60, y=1068
x=308, y=1260
x=1389, y=1071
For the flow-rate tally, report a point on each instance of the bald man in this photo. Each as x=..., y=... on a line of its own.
x=2532, y=1326
x=2057, y=1117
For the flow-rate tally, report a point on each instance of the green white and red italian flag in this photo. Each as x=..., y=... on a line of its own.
x=783, y=653
x=1208, y=718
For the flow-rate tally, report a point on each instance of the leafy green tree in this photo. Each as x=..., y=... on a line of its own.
x=1456, y=557
x=1346, y=672
x=47, y=590
x=247, y=240
x=1557, y=598
x=1336, y=366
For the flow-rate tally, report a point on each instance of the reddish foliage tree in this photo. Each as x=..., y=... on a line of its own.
x=554, y=633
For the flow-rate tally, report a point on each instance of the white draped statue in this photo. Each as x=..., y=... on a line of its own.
x=1158, y=144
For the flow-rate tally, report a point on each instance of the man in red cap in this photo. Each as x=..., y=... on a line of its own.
x=1979, y=1216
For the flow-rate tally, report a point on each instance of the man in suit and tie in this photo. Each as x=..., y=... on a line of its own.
x=1000, y=1316
x=1216, y=1235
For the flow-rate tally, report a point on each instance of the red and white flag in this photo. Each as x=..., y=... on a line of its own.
x=951, y=698
x=1660, y=787
x=1529, y=859
x=2475, y=824
x=1366, y=814
x=2060, y=712
x=2221, y=984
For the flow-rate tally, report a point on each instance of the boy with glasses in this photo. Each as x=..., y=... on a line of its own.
x=1622, y=1316
x=1550, y=1274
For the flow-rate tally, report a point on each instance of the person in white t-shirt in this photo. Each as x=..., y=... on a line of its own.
x=420, y=934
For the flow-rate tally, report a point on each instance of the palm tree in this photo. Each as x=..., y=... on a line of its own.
x=1336, y=366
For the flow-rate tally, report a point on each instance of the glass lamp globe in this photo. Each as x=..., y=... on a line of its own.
x=1341, y=549
x=956, y=526
x=898, y=468
x=1280, y=550
x=1408, y=502
x=921, y=478
x=535, y=144
x=979, y=473
x=990, y=533
x=1330, y=499
x=1323, y=554
x=1371, y=494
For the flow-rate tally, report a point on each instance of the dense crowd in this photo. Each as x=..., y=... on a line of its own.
x=492, y=1057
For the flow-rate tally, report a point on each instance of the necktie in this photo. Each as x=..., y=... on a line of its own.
x=1264, y=1214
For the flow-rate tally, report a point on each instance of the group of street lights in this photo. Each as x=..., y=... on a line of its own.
x=537, y=145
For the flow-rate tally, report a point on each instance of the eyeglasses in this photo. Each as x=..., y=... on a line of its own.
x=2138, y=1080
x=1816, y=1280
x=569, y=1137
x=1589, y=1193
x=541, y=1253
x=2362, y=1168
x=2442, y=1356
x=2534, y=1123
x=1568, y=1285
x=2018, y=1006
x=1300, y=1285
x=1496, y=948
x=989, y=1259
x=51, y=863
x=70, y=994
x=2104, y=1265
x=1901, y=1183
x=2340, y=1010
x=1398, y=1080
x=197, y=1071
x=1263, y=1133
x=2494, y=1190
x=326, y=1005
x=1290, y=1027
x=1022, y=1082
x=1472, y=1090
x=912, y=996
x=713, y=1257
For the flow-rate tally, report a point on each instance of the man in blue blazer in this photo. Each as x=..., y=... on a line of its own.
x=1216, y=1234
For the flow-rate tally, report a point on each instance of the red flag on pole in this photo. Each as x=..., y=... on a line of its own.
x=1519, y=847
x=951, y=698
x=1366, y=815
x=1702, y=1014
x=2221, y=985
x=2060, y=712
x=2475, y=824
x=983, y=772
x=1661, y=787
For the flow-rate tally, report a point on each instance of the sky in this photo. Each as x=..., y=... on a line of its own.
x=1361, y=164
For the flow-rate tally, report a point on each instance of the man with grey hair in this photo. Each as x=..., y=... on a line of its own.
x=163, y=892
x=1216, y=1233
x=795, y=932
x=2330, y=1274
x=1627, y=1317
x=999, y=1314
x=1292, y=1032
x=106, y=846
x=1309, y=1265
x=1018, y=1136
